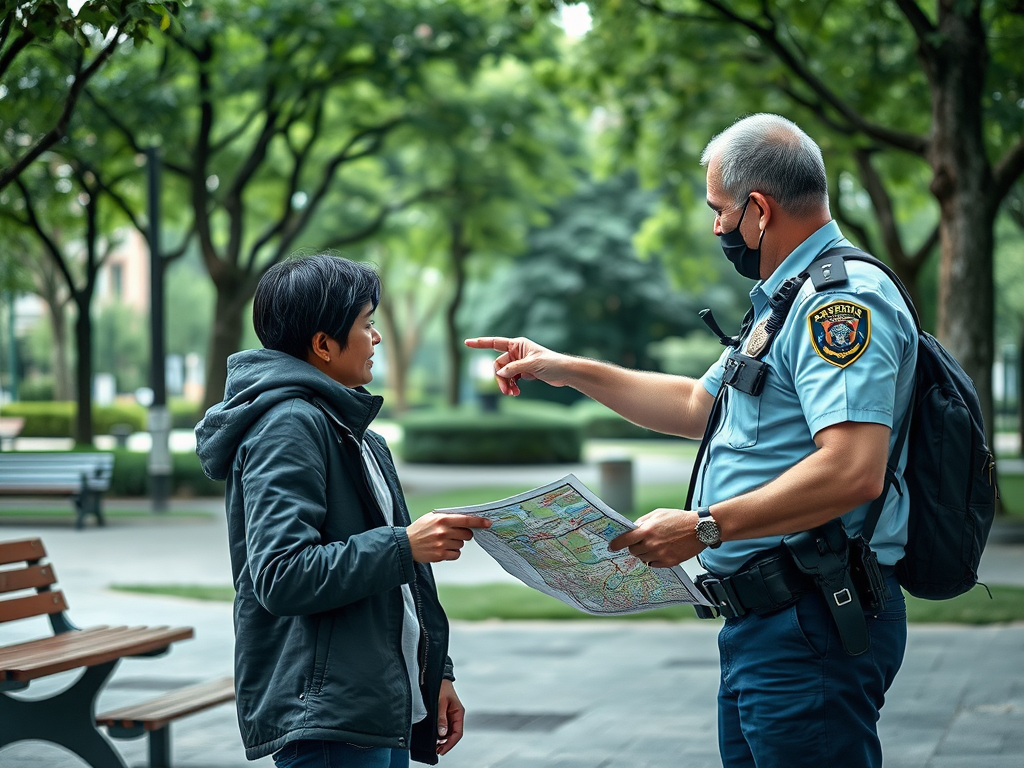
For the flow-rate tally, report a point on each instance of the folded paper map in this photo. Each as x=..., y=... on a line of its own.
x=555, y=539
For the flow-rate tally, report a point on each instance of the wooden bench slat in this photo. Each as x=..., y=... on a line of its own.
x=40, y=604
x=22, y=550
x=89, y=651
x=156, y=713
x=96, y=648
x=33, y=577
x=19, y=653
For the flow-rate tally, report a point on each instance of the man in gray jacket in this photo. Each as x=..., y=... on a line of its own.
x=340, y=641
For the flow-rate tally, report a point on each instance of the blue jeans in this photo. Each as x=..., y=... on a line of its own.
x=791, y=697
x=338, y=754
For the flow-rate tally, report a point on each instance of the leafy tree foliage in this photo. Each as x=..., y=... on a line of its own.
x=895, y=90
x=493, y=151
x=81, y=42
x=581, y=288
x=273, y=115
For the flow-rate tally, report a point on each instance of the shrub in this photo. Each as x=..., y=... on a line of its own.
x=131, y=475
x=37, y=388
x=471, y=437
x=184, y=413
x=601, y=422
x=56, y=419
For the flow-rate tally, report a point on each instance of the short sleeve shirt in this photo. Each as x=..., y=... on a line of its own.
x=844, y=354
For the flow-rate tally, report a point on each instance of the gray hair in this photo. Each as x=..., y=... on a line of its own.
x=770, y=154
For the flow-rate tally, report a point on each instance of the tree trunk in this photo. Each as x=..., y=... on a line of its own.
x=1020, y=392
x=394, y=350
x=459, y=252
x=962, y=183
x=83, y=371
x=63, y=386
x=225, y=340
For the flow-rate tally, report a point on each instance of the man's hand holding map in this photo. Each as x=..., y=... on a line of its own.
x=555, y=539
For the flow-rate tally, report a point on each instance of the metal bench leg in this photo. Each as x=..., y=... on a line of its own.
x=66, y=719
x=160, y=747
x=88, y=503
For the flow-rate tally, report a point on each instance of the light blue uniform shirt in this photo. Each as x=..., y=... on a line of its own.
x=759, y=438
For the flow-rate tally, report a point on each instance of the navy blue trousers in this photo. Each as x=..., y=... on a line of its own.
x=791, y=697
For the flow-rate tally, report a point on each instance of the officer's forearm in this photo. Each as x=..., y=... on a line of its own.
x=674, y=405
x=846, y=471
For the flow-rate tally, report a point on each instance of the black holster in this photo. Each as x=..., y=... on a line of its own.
x=823, y=553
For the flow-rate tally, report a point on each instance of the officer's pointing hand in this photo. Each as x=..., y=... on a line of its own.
x=662, y=538
x=522, y=359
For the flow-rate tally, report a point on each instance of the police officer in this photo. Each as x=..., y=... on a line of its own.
x=811, y=447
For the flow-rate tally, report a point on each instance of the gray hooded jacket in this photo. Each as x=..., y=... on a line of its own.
x=317, y=571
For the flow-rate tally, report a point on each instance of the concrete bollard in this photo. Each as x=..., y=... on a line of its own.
x=617, y=484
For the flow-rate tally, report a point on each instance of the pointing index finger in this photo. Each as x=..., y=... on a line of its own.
x=499, y=343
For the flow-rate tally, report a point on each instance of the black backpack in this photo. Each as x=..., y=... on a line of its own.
x=950, y=470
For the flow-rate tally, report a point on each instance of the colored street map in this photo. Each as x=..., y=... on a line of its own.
x=555, y=539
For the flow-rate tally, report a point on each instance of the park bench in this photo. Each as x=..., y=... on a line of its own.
x=82, y=476
x=155, y=716
x=67, y=717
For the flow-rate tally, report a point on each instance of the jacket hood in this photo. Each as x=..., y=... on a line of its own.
x=258, y=380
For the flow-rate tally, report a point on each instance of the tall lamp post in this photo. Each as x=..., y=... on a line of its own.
x=159, y=415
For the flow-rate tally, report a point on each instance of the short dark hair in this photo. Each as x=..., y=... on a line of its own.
x=304, y=295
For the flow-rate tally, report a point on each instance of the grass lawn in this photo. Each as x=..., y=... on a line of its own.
x=481, y=602
x=649, y=497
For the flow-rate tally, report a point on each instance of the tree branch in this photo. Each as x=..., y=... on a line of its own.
x=859, y=230
x=882, y=203
x=51, y=247
x=767, y=34
x=920, y=23
x=14, y=48
x=926, y=247
x=1009, y=168
x=58, y=131
x=128, y=135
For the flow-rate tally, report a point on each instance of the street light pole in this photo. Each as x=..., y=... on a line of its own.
x=159, y=415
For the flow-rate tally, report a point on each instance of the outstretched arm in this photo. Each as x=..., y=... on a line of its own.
x=675, y=405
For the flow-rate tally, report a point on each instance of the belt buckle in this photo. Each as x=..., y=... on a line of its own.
x=723, y=598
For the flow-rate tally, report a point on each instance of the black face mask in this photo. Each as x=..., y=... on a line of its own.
x=747, y=260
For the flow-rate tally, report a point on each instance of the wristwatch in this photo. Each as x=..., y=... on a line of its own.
x=707, y=529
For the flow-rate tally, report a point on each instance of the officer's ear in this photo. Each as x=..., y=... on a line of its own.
x=764, y=205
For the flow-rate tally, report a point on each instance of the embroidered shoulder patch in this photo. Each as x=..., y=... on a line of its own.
x=840, y=332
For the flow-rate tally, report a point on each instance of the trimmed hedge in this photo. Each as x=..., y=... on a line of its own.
x=131, y=475
x=601, y=422
x=472, y=437
x=56, y=418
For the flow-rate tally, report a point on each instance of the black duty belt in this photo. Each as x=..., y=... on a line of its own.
x=768, y=584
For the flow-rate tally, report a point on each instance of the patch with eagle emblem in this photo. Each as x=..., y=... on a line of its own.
x=840, y=332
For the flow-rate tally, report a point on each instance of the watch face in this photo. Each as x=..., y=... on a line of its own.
x=708, y=532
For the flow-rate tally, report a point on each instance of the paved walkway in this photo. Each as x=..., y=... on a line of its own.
x=587, y=694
